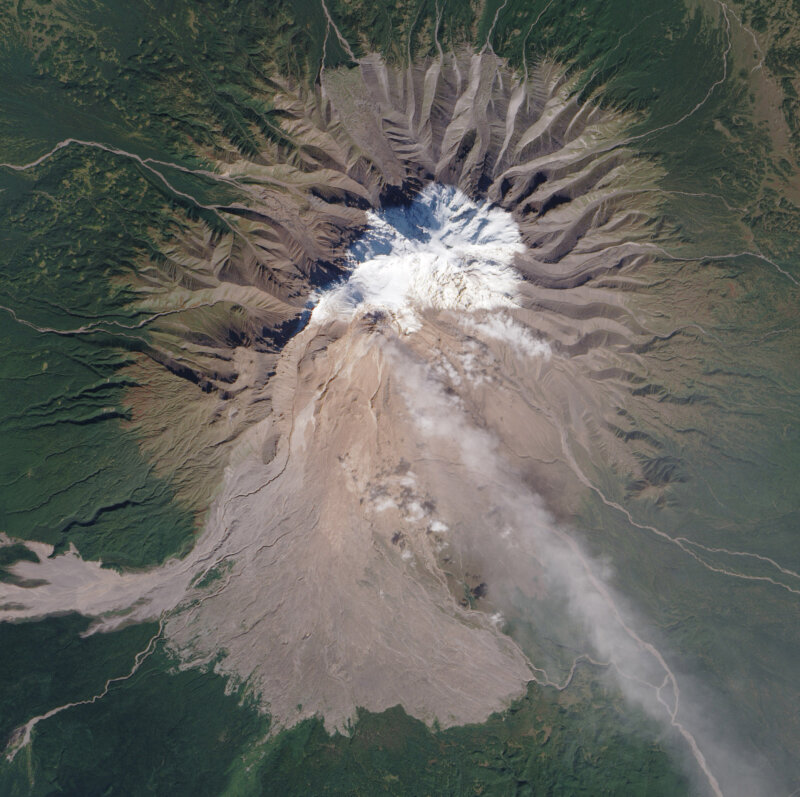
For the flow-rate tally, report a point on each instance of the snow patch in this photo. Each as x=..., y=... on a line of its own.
x=442, y=251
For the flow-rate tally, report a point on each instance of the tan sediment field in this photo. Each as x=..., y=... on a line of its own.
x=392, y=470
x=357, y=475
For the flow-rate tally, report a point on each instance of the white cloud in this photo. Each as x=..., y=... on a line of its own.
x=501, y=327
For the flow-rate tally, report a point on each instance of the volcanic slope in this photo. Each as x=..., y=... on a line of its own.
x=222, y=303
x=372, y=460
